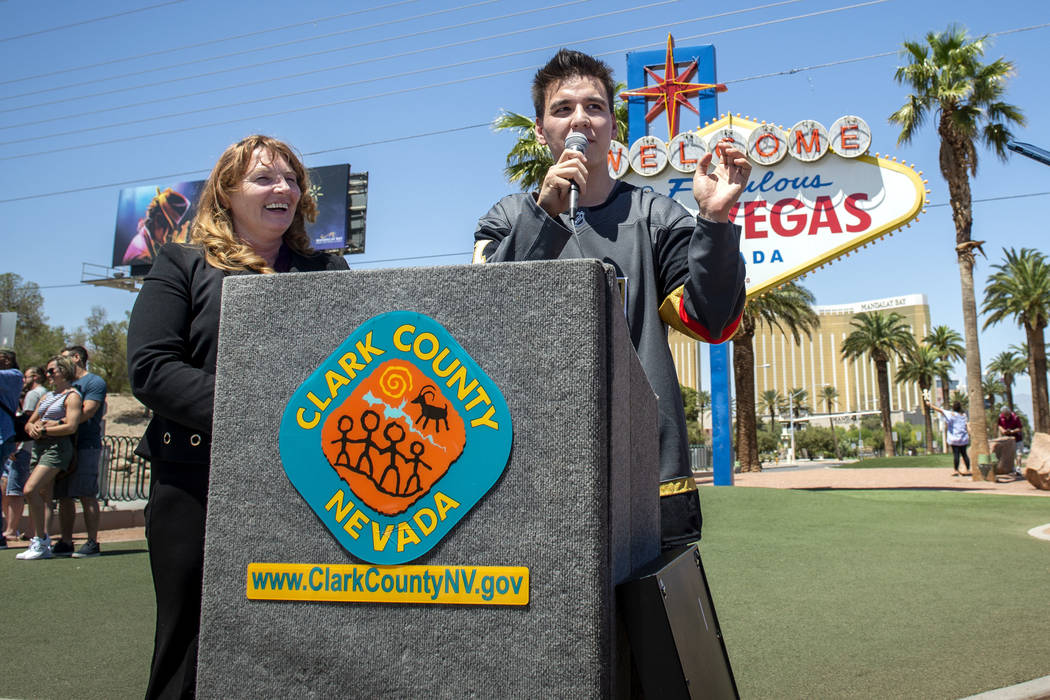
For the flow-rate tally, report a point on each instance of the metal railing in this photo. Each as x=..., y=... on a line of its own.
x=700, y=458
x=122, y=475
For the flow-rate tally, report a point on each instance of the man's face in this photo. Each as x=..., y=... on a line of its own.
x=5, y=361
x=577, y=104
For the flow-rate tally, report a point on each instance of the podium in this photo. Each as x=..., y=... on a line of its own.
x=577, y=503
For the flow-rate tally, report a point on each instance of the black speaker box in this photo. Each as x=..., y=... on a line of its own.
x=674, y=635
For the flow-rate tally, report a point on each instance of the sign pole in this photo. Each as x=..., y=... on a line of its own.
x=721, y=420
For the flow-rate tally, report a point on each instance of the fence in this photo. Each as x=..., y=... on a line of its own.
x=700, y=458
x=122, y=474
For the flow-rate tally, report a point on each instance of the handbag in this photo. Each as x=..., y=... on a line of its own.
x=20, y=424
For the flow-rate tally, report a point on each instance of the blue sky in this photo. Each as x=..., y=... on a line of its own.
x=366, y=87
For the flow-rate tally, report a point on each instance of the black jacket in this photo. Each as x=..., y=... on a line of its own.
x=172, y=342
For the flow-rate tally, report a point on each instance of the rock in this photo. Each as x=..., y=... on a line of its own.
x=1005, y=451
x=1037, y=466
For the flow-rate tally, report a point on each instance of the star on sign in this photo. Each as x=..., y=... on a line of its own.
x=671, y=90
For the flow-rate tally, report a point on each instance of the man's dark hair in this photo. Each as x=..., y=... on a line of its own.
x=570, y=64
x=10, y=355
x=957, y=407
x=78, y=350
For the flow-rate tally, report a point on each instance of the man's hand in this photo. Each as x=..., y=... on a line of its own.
x=554, y=192
x=718, y=191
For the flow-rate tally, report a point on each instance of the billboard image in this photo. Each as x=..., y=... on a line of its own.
x=150, y=216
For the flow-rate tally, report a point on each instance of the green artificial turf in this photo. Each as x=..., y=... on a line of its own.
x=820, y=594
x=78, y=628
x=940, y=461
x=878, y=594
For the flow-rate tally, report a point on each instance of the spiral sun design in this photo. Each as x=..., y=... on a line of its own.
x=395, y=382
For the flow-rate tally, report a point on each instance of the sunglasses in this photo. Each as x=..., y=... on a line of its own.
x=51, y=371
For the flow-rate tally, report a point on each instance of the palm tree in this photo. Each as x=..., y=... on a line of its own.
x=921, y=363
x=773, y=402
x=829, y=395
x=1007, y=365
x=1020, y=289
x=990, y=388
x=960, y=397
x=947, y=78
x=797, y=398
x=949, y=345
x=879, y=335
x=703, y=400
x=528, y=161
x=789, y=308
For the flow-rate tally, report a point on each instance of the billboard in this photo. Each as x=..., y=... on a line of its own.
x=150, y=216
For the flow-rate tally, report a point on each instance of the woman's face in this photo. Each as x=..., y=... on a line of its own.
x=263, y=207
x=54, y=375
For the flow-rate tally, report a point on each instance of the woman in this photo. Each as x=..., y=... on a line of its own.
x=958, y=434
x=52, y=426
x=251, y=219
x=19, y=465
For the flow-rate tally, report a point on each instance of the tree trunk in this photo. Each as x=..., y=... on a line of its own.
x=945, y=398
x=744, y=378
x=978, y=423
x=929, y=426
x=883, y=374
x=834, y=437
x=1008, y=382
x=1037, y=373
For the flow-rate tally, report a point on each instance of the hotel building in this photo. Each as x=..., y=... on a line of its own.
x=817, y=362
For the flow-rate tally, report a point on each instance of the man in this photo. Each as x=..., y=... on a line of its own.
x=10, y=392
x=83, y=483
x=33, y=390
x=1010, y=426
x=675, y=269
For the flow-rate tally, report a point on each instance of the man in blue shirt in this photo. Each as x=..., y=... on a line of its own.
x=10, y=392
x=83, y=483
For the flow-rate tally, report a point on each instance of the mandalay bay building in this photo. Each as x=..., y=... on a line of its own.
x=817, y=362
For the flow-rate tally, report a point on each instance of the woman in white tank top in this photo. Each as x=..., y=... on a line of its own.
x=51, y=426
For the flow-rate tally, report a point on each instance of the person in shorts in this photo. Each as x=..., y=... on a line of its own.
x=82, y=484
x=17, y=467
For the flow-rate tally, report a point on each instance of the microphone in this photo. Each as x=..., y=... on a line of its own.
x=575, y=141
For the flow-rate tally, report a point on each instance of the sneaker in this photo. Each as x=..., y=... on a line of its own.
x=90, y=549
x=62, y=548
x=38, y=549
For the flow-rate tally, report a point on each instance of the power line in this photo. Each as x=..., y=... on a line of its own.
x=790, y=71
x=992, y=199
x=287, y=59
x=306, y=73
x=186, y=173
x=268, y=47
x=881, y=54
x=199, y=44
x=89, y=21
x=388, y=93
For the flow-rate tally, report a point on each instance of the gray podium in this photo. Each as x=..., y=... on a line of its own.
x=577, y=504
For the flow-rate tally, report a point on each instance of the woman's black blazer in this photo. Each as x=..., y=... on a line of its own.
x=172, y=341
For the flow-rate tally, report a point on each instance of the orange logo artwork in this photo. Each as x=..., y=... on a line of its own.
x=393, y=438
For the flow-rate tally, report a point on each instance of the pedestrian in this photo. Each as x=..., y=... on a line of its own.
x=958, y=435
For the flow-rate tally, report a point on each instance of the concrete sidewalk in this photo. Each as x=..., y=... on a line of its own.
x=120, y=521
